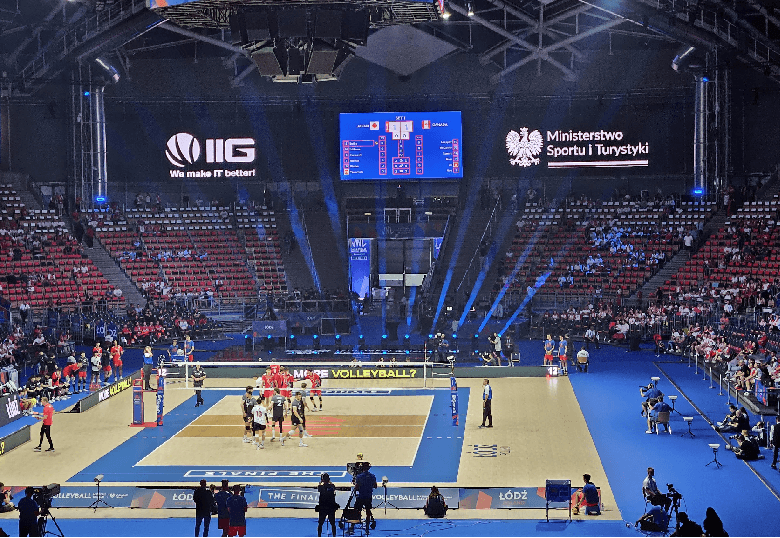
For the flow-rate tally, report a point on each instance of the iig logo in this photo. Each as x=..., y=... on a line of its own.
x=183, y=149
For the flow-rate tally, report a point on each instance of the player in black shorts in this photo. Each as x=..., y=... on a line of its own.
x=296, y=418
x=278, y=406
x=247, y=403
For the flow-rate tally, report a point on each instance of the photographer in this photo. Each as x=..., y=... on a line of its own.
x=435, y=506
x=748, y=447
x=326, y=507
x=687, y=527
x=365, y=484
x=651, y=493
x=28, y=514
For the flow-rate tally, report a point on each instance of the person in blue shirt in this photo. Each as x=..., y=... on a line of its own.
x=365, y=484
x=221, y=498
x=587, y=497
x=549, y=345
x=148, y=365
x=655, y=520
x=650, y=392
x=28, y=514
x=236, y=506
x=660, y=407
x=563, y=349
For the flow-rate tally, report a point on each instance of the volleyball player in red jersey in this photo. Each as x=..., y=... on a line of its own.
x=81, y=384
x=286, y=382
x=315, y=389
x=267, y=383
x=116, y=357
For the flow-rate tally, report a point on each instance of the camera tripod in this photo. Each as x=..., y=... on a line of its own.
x=386, y=503
x=99, y=502
x=43, y=520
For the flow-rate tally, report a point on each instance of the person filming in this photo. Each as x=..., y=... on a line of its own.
x=435, y=506
x=365, y=484
x=327, y=506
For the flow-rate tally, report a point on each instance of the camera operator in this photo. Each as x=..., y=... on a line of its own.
x=365, y=484
x=435, y=506
x=655, y=520
x=326, y=507
x=686, y=527
x=650, y=490
x=748, y=447
x=28, y=514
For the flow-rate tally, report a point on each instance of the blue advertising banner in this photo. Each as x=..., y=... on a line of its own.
x=292, y=497
x=262, y=329
x=360, y=266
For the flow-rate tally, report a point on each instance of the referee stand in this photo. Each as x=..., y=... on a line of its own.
x=138, y=401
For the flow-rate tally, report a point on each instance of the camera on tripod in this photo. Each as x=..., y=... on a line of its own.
x=43, y=496
x=674, y=494
x=358, y=467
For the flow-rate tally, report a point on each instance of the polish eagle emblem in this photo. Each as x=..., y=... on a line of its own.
x=524, y=147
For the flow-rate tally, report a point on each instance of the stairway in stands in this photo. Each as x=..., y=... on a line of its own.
x=325, y=251
x=114, y=274
x=679, y=260
x=298, y=273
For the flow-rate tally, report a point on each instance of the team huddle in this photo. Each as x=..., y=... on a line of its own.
x=278, y=398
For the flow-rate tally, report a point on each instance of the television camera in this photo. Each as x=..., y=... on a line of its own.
x=43, y=496
x=676, y=497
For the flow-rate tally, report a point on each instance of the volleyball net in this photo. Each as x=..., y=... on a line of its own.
x=333, y=375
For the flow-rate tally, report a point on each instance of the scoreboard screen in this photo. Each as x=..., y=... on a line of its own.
x=400, y=145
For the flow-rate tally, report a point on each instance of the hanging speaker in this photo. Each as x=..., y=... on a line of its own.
x=237, y=29
x=257, y=26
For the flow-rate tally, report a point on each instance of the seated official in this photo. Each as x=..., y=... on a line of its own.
x=435, y=506
x=587, y=497
x=583, y=360
x=687, y=527
x=652, y=417
x=748, y=447
x=655, y=520
x=650, y=392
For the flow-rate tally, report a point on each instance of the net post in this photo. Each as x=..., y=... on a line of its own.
x=425, y=373
x=186, y=375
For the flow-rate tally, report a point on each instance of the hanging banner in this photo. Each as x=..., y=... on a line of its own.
x=360, y=266
x=454, y=399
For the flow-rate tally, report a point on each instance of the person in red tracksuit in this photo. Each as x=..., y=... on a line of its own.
x=47, y=417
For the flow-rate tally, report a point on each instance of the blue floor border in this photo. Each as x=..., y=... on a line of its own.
x=437, y=459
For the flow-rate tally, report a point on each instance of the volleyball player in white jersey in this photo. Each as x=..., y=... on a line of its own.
x=258, y=424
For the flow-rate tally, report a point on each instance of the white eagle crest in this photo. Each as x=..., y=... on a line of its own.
x=524, y=147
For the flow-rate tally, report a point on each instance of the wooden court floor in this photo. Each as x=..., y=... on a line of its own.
x=539, y=431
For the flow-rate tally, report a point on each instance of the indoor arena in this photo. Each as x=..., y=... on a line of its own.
x=389, y=268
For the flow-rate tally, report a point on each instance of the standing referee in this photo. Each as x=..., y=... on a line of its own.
x=148, y=365
x=487, y=401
